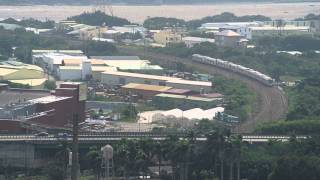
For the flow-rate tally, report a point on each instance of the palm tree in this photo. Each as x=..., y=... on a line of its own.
x=216, y=144
x=238, y=145
x=121, y=154
x=234, y=154
x=94, y=158
x=158, y=151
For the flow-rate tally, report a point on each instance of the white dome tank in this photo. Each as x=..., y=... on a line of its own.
x=107, y=152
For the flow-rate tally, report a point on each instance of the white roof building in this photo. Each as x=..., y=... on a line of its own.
x=208, y=26
x=52, y=60
x=191, y=41
x=118, y=77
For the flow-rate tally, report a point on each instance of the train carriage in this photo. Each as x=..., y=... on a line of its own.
x=256, y=75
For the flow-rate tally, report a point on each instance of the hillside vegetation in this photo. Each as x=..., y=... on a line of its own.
x=161, y=22
x=99, y=18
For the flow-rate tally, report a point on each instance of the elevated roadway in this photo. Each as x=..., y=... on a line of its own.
x=103, y=139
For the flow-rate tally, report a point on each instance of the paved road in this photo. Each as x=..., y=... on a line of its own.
x=271, y=104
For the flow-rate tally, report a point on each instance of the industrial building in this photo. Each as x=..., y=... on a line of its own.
x=22, y=109
x=114, y=78
x=73, y=65
x=143, y=91
x=167, y=36
x=52, y=61
x=229, y=38
x=20, y=73
x=242, y=28
x=285, y=30
x=75, y=69
x=168, y=101
x=139, y=66
x=67, y=52
x=251, y=30
x=191, y=41
x=116, y=57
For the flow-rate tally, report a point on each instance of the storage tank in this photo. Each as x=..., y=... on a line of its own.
x=107, y=152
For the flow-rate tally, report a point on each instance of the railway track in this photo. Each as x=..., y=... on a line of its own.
x=271, y=104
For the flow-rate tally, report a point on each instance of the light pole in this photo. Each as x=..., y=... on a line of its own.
x=75, y=148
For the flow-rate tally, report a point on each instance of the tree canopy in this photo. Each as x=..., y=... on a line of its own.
x=162, y=22
x=99, y=18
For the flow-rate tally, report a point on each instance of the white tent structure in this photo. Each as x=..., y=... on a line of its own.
x=175, y=115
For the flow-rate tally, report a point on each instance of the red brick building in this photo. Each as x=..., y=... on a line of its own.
x=52, y=110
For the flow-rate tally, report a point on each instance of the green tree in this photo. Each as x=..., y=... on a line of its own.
x=99, y=18
x=163, y=22
x=296, y=168
x=51, y=85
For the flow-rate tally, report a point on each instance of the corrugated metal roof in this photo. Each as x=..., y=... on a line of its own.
x=103, y=68
x=132, y=64
x=198, y=39
x=137, y=75
x=8, y=97
x=116, y=57
x=48, y=99
x=57, y=51
x=6, y=71
x=178, y=91
x=161, y=78
x=70, y=67
x=97, y=62
x=285, y=28
x=187, y=97
x=146, y=87
x=21, y=66
x=188, y=82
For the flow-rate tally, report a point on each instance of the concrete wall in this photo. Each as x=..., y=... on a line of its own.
x=69, y=74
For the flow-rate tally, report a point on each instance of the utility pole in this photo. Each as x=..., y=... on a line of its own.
x=75, y=149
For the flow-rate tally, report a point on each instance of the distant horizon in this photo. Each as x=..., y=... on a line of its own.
x=138, y=13
x=147, y=2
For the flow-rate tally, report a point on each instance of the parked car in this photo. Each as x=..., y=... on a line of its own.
x=42, y=134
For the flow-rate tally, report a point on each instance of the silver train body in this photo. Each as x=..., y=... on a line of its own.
x=258, y=76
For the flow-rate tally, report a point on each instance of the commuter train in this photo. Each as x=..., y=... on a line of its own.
x=262, y=78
